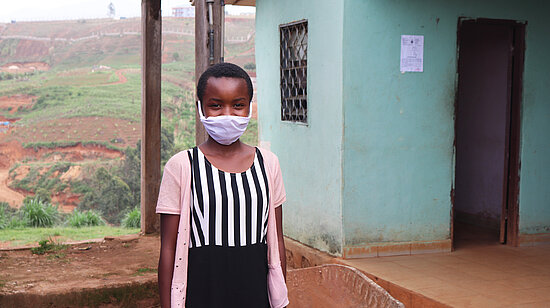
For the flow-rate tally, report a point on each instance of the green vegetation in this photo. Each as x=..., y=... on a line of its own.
x=249, y=66
x=27, y=236
x=107, y=193
x=145, y=270
x=38, y=220
x=47, y=246
x=176, y=56
x=89, y=218
x=42, y=179
x=132, y=219
x=39, y=214
x=65, y=144
x=6, y=212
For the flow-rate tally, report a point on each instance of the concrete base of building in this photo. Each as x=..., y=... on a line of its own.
x=534, y=239
x=396, y=249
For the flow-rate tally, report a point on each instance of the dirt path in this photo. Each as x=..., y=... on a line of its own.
x=121, y=77
x=14, y=198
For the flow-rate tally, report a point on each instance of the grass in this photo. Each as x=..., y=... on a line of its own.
x=40, y=214
x=80, y=219
x=28, y=236
x=144, y=270
x=132, y=219
x=66, y=144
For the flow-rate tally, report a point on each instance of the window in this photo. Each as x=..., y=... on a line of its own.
x=294, y=71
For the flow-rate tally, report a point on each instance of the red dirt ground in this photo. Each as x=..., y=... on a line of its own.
x=65, y=275
x=15, y=102
x=103, y=129
x=123, y=260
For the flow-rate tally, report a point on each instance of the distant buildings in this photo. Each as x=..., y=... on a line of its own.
x=188, y=11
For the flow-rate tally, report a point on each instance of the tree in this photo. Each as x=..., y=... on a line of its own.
x=250, y=66
x=111, y=8
x=166, y=145
x=109, y=194
x=130, y=171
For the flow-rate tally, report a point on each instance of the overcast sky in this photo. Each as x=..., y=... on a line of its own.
x=29, y=10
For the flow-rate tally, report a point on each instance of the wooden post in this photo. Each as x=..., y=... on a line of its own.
x=151, y=32
x=202, y=50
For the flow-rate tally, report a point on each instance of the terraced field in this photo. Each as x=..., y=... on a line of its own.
x=70, y=93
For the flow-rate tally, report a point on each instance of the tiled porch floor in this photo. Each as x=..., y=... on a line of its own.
x=479, y=273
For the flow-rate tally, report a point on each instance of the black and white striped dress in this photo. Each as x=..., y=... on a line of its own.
x=228, y=252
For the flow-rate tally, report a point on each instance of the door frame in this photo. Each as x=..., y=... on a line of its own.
x=510, y=207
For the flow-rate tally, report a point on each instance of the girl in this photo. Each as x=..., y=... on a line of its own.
x=221, y=220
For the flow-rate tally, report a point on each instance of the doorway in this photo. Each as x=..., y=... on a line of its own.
x=490, y=66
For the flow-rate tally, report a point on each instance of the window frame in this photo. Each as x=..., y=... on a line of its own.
x=293, y=71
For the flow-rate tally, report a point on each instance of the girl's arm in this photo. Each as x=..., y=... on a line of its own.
x=282, y=249
x=168, y=237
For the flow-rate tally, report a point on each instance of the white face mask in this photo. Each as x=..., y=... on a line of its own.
x=225, y=129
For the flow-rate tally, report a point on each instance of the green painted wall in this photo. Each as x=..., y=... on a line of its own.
x=310, y=155
x=375, y=163
x=398, y=144
x=398, y=159
x=534, y=208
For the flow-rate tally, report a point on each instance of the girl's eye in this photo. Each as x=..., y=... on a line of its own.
x=214, y=105
x=239, y=105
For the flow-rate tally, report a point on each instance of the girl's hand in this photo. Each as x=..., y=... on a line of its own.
x=280, y=238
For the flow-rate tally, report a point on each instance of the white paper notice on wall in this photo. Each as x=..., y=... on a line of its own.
x=412, y=53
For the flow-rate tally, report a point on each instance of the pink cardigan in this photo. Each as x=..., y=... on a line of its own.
x=175, y=200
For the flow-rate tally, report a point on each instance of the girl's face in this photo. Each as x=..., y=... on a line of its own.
x=226, y=96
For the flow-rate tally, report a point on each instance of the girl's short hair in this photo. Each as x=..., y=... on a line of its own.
x=223, y=70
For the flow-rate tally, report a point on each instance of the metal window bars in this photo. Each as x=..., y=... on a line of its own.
x=294, y=71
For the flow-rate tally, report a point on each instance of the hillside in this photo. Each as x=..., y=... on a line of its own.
x=70, y=103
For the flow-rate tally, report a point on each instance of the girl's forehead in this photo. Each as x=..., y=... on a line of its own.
x=216, y=84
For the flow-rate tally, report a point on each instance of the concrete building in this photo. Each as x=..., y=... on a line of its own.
x=185, y=11
x=381, y=162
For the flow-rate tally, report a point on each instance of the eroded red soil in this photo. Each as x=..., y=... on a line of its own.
x=14, y=102
x=118, y=132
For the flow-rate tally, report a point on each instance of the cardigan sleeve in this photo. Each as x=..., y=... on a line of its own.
x=277, y=189
x=171, y=186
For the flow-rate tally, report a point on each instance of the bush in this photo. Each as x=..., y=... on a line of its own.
x=4, y=215
x=10, y=218
x=83, y=219
x=47, y=246
x=17, y=223
x=38, y=213
x=249, y=66
x=108, y=194
x=94, y=219
x=132, y=219
x=43, y=194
